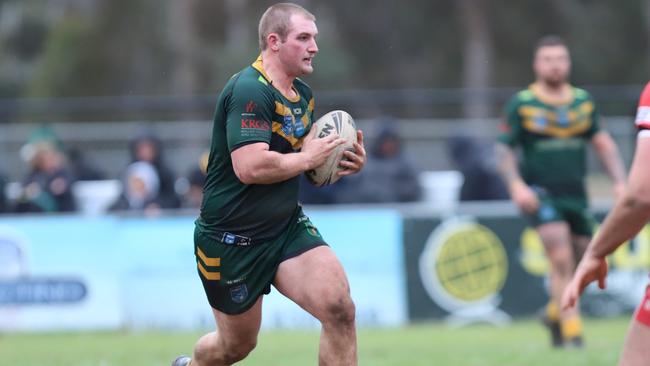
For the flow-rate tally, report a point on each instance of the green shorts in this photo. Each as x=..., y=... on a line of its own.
x=572, y=210
x=234, y=276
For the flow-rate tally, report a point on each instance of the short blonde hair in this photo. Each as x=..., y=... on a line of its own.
x=277, y=19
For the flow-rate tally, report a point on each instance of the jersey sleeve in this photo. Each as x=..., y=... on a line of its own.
x=510, y=125
x=642, y=120
x=249, y=115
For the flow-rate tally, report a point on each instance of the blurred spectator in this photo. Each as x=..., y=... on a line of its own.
x=475, y=160
x=191, y=187
x=4, y=205
x=147, y=148
x=310, y=194
x=80, y=167
x=140, y=189
x=388, y=176
x=47, y=187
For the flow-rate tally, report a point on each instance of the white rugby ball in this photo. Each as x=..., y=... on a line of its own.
x=339, y=122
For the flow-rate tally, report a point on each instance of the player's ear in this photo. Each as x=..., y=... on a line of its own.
x=273, y=41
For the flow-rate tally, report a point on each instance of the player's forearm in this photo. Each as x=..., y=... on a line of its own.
x=626, y=219
x=273, y=167
x=610, y=157
x=507, y=166
x=611, y=160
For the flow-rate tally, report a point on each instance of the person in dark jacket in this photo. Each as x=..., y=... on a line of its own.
x=148, y=148
x=389, y=175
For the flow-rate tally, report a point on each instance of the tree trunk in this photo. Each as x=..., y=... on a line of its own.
x=184, y=78
x=477, y=58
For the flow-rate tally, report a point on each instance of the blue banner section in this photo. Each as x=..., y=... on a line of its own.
x=73, y=272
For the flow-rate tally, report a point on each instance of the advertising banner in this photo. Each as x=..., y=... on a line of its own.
x=490, y=268
x=77, y=272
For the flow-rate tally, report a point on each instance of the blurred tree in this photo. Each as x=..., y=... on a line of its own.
x=71, y=48
x=477, y=56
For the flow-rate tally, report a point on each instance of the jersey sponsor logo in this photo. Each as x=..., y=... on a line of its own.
x=297, y=111
x=643, y=117
x=248, y=123
x=250, y=107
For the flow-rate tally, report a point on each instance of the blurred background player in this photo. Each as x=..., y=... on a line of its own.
x=552, y=121
x=630, y=214
x=251, y=232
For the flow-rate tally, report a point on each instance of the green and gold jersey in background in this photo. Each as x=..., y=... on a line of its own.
x=251, y=110
x=553, y=139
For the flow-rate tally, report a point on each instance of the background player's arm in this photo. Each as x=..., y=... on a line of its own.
x=256, y=164
x=610, y=157
x=521, y=194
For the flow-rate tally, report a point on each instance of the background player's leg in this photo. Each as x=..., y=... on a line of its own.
x=235, y=338
x=557, y=240
x=315, y=280
x=635, y=350
x=580, y=243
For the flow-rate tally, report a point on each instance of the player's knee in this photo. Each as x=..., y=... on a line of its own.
x=235, y=352
x=340, y=310
x=563, y=267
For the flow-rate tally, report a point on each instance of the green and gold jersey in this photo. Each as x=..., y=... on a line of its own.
x=553, y=139
x=251, y=110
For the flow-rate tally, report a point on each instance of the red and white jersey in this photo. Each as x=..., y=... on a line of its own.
x=643, y=112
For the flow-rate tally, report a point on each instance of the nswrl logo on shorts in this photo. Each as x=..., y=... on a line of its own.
x=239, y=293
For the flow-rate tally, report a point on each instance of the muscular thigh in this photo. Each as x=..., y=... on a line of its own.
x=313, y=279
x=240, y=328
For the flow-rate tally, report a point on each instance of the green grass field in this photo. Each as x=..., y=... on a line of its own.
x=523, y=343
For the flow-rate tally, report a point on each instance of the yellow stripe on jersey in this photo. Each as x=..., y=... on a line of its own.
x=215, y=276
x=212, y=262
x=579, y=120
x=310, y=107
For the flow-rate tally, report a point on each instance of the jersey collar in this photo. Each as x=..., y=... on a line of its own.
x=546, y=99
x=259, y=66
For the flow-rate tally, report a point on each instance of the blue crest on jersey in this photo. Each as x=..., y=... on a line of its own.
x=298, y=129
x=540, y=121
x=239, y=293
x=287, y=125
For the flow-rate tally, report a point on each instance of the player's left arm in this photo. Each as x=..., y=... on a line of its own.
x=610, y=157
x=353, y=161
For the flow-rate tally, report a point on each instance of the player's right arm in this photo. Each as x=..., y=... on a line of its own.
x=256, y=164
x=249, y=109
x=522, y=195
x=626, y=219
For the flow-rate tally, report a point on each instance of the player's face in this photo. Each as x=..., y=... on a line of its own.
x=552, y=64
x=298, y=50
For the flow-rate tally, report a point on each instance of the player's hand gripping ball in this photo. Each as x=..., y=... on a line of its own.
x=339, y=122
